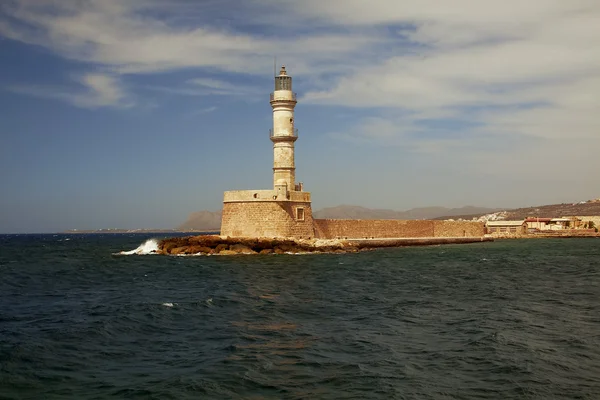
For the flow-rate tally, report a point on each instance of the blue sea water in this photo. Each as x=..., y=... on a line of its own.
x=515, y=319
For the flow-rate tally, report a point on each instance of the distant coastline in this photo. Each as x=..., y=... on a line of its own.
x=87, y=231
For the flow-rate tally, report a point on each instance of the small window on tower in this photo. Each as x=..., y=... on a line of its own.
x=300, y=214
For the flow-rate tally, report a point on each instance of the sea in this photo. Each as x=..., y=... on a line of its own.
x=93, y=316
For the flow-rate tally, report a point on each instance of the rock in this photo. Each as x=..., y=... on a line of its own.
x=167, y=247
x=228, y=253
x=221, y=247
x=179, y=250
x=206, y=250
x=214, y=244
x=242, y=249
x=211, y=241
x=199, y=249
x=263, y=244
x=285, y=247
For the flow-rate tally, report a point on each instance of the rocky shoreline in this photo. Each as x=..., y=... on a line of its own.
x=225, y=245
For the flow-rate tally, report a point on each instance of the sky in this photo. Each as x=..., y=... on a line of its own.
x=134, y=114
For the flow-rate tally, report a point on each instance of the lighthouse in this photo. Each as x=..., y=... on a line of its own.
x=285, y=210
x=283, y=135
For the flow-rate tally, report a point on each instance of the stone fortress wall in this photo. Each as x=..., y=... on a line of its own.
x=267, y=218
x=279, y=219
x=384, y=228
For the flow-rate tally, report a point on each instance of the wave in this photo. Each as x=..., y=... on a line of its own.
x=150, y=246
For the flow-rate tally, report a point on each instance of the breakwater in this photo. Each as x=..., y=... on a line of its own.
x=403, y=242
x=225, y=245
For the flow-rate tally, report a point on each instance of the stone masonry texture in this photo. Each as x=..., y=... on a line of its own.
x=266, y=219
x=361, y=229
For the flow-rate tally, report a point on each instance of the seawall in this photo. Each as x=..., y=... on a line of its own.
x=384, y=228
x=268, y=218
x=402, y=242
x=225, y=245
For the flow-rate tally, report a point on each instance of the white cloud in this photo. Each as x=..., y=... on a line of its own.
x=95, y=90
x=524, y=68
x=219, y=87
x=208, y=110
x=211, y=87
x=516, y=68
x=484, y=13
x=130, y=38
x=466, y=88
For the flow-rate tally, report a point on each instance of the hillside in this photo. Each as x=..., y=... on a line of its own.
x=588, y=208
x=202, y=220
x=555, y=210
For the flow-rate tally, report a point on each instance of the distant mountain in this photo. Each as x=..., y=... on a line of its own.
x=357, y=212
x=202, y=221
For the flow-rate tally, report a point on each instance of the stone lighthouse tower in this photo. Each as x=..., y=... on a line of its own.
x=283, y=135
x=285, y=210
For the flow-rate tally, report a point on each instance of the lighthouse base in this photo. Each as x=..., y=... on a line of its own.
x=266, y=213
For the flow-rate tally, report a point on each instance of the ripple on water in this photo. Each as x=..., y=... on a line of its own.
x=515, y=319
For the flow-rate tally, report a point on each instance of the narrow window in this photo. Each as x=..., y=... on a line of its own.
x=300, y=214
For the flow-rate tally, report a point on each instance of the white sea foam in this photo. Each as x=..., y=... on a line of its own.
x=167, y=304
x=150, y=246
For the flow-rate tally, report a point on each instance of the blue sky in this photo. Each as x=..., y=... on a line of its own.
x=136, y=113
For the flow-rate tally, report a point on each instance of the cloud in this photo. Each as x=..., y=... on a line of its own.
x=95, y=90
x=130, y=37
x=494, y=69
x=210, y=87
x=220, y=87
x=207, y=110
x=514, y=68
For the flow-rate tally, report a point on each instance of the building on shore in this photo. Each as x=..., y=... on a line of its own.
x=536, y=224
x=285, y=210
x=563, y=223
x=590, y=221
x=506, y=228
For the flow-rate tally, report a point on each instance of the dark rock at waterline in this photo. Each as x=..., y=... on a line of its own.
x=224, y=245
